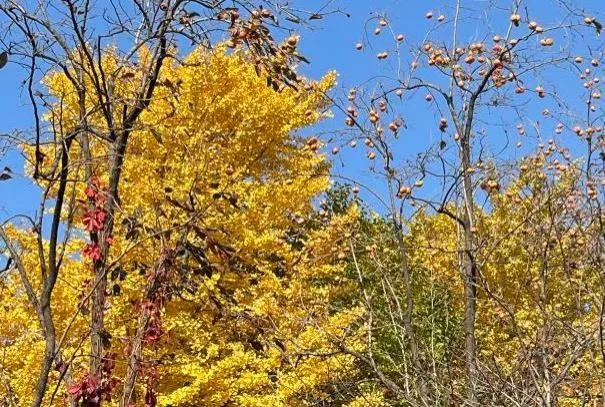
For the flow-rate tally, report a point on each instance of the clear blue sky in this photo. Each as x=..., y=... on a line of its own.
x=330, y=45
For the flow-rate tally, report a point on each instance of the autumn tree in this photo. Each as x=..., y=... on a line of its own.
x=101, y=70
x=496, y=80
x=220, y=273
x=189, y=247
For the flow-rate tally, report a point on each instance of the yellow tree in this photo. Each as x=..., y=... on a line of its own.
x=540, y=282
x=497, y=81
x=56, y=36
x=539, y=249
x=220, y=275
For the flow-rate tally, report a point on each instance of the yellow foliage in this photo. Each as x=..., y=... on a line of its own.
x=536, y=280
x=215, y=151
x=370, y=398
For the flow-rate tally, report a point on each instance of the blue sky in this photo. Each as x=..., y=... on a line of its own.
x=330, y=45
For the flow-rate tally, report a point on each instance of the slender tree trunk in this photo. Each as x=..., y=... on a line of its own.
x=407, y=319
x=409, y=306
x=134, y=362
x=98, y=305
x=469, y=272
x=119, y=143
x=49, y=354
x=49, y=280
x=116, y=158
x=153, y=293
x=408, y=311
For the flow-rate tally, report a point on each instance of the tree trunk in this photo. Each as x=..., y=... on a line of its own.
x=469, y=272
x=97, y=323
x=49, y=354
x=134, y=362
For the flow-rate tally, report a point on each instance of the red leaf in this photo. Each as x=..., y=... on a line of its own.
x=75, y=390
x=90, y=192
x=92, y=251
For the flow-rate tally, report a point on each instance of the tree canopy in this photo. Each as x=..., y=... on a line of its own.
x=215, y=228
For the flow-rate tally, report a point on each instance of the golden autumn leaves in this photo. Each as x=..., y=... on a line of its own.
x=208, y=333
x=221, y=163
